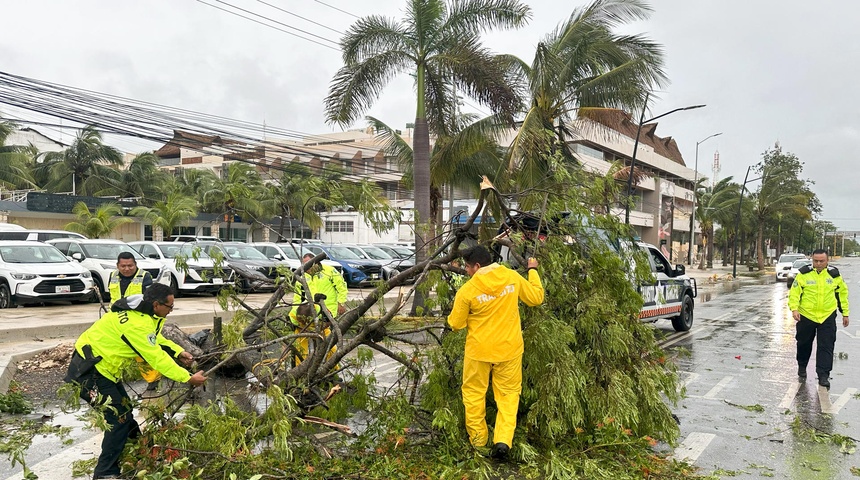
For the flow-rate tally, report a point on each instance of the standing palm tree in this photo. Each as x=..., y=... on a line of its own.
x=716, y=204
x=166, y=215
x=459, y=159
x=13, y=162
x=83, y=167
x=581, y=69
x=141, y=179
x=295, y=196
x=234, y=193
x=101, y=223
x=440, y=44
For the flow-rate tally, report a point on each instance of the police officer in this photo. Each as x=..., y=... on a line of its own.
x=132, y=328
x=487, y=306
x=323, y=280
x=127, y=279
x=817, y=293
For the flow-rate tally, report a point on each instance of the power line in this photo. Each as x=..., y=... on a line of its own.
x=338, y=9
x=275, y=21
x=299, y=16
x=271, y=26
x=132, y=118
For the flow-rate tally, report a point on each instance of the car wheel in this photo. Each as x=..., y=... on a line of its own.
x=174, y=287
x=684, y=321
x=5, y=296
x=104, y=293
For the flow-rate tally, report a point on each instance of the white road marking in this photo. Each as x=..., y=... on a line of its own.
x=669, y=342
x=693, y=446
x=691, y=377
x=855, y=336
x=788, y=399
x=840, y=402
x=712, y=393
x=59, y=466
x=824, y=399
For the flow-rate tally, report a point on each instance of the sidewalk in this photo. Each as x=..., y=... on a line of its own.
x=27, y=331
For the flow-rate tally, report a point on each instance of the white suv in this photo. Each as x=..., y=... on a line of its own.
x=783, y=265
x=200, y=274
x=32, y=272
x=99, y=257
x=289, y=254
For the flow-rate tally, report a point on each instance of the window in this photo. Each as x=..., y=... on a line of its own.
x=339, y=226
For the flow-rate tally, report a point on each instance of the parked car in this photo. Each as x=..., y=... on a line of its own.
x=99, y=257
x=194, y=238
x=33, y=272
x=795, y=269
x=38, y=235
x=356, y=271
x=391, y=263
x=783, y=265
x=242, y=257
x=197, y=275
x=289, y=254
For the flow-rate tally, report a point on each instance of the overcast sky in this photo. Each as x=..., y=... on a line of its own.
x=768, y=70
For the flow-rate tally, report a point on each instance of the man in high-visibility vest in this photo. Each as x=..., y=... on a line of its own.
x=322, y=280
x=817, y=293
x=487, y=306
x=130, y=330
x=127, y=279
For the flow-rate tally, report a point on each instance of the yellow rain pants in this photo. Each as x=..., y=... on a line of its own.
x=507, y=385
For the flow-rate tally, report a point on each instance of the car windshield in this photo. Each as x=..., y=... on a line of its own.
x=376, y=253
x=108, y=251
x=785, y=258
x=404, y=252
x=28, y=254
x=343, y=253
x=800, y=263
x=243, y=252
x=294, y=252
x=187, y=250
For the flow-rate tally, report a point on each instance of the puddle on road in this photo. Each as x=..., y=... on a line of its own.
x=708, y=292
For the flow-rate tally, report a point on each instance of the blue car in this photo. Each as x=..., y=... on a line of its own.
x=356, y=272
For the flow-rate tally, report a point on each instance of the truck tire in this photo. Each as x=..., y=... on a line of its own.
x=684, y=321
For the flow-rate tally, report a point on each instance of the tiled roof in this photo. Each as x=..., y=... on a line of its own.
x=621, y=122
x=191, y=140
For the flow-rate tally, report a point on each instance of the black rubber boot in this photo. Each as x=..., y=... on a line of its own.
x=500, y=451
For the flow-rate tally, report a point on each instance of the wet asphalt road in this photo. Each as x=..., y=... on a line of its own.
x=746, y=413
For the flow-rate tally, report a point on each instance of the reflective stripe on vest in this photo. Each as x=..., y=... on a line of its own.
x=133, y=288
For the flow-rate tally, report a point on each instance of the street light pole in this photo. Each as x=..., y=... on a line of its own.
x=693, y=213
x=636, y=147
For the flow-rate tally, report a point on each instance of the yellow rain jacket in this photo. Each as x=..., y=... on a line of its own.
x=488, y=306
x=121, y=336
x=817, y=295
x=328, y=282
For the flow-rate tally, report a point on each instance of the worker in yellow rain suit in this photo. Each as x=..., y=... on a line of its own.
x=487, y=306
x=322, y=280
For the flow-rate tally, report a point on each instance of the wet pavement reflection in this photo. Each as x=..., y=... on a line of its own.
x=746, y=413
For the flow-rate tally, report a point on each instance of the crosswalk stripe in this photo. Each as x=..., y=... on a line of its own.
x=693, y=446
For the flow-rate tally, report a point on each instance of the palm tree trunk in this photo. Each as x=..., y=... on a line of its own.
x=421, y=180
x=710, y=250
x=760, y=246
x=706, y=244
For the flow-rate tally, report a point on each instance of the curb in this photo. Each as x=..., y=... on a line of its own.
x=9, y=363
x=52, y=335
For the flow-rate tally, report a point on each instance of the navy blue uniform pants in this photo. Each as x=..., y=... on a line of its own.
x=122, y=422
x=806, y=333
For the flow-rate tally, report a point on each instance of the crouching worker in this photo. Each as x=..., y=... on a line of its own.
x=131, y=330
x=487, y=306
x=326, y=285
